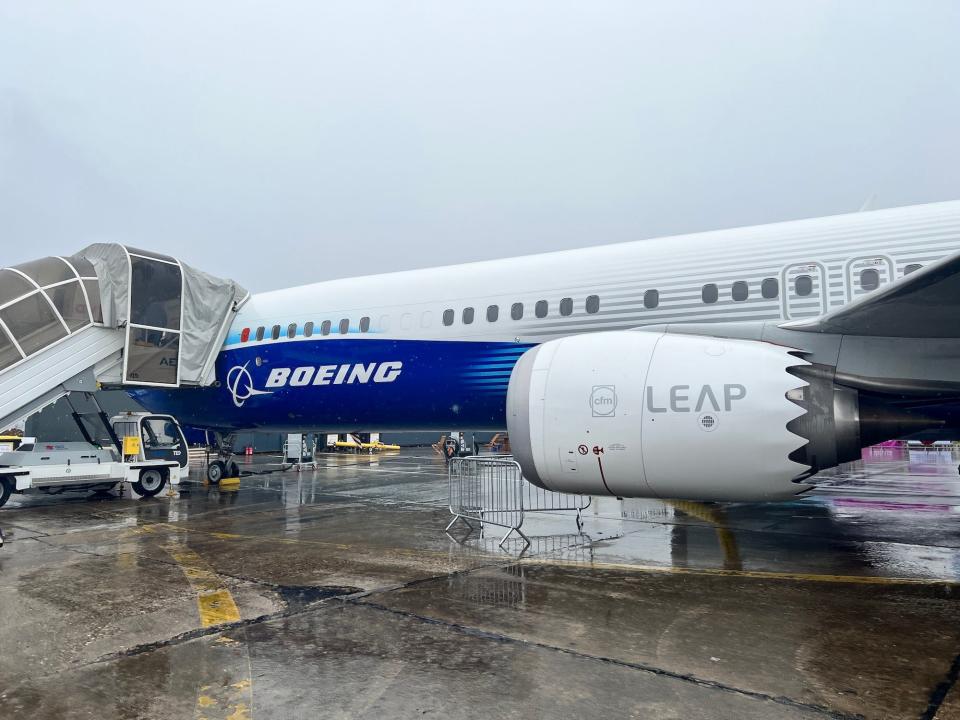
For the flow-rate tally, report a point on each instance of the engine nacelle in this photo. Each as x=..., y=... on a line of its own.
x=652, y=414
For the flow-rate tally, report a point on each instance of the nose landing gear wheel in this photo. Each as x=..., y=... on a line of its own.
x=215, y=472
x=150, y=483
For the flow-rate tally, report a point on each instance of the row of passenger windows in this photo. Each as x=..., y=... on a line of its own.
x=540, y=310
x=869, y=279
x=309, y=329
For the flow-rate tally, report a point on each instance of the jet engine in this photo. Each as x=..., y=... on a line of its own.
x=655, y=414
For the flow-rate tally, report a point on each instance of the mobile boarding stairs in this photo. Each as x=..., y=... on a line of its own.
x=110, y=316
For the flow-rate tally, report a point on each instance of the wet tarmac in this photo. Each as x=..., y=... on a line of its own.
x=336, y=594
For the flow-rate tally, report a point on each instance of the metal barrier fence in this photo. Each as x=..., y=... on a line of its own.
x=491, y=490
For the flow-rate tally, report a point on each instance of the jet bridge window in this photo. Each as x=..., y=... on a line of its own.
x=70, y=302
x=448, y=316
x=651, y=299
x=33, y=323
x=467, y=315
x=541, y=308
x=869, y=279
x=493, y=312
x=8, y=353
x=803, y=285
x=153, y=333
x=769, y=288
x=710, y=293
x=566, y=306
x=911, y=268
x=740, y=291
x=516, y=311
x=47, y=271
x=593, y=304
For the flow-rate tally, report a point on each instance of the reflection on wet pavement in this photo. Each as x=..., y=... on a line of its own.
x=336, y=593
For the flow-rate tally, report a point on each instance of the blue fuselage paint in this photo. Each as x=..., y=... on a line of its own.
x=349, y=384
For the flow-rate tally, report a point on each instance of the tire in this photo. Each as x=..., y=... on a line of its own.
x=216, y=471
x=150, y=483
x=6, y=487
x=233, y=470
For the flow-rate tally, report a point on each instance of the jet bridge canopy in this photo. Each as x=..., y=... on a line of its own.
x=43, y=302
x=175, y=317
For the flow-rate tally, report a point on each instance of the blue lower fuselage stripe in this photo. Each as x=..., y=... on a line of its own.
x=440, y=386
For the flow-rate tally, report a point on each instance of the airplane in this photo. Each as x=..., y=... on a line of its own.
x=724, y=365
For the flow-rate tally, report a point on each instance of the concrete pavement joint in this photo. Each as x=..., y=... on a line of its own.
x=642, y=667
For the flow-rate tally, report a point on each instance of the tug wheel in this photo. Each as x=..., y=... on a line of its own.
x=150, y=483
x=6, y=487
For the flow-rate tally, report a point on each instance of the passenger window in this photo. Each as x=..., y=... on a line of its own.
x=709, y=293
x=364, y=324
x=467, y=315
x=593, y=304
x=275, y=333
x=769, y=288
x=740, y=291
x=245, y=335
x=448, y=317
x=308, y=329
x=566, y=306
x=260, y=333
x=651, y=299
x=292, y=330
x=344, y=326
x=911, y=268
x=493, y=312
x=803, y=285
x=540, y=309
x=516, y=311
x=325, y=327
x=869, y=279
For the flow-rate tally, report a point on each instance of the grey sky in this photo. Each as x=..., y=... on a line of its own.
x=283, y=143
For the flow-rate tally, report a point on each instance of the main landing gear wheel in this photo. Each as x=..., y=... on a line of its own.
x=216, y=471
x=150, y=483
x=233, y=469
x=6, y=487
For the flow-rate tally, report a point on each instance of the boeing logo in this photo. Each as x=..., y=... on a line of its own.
x=240, y=382
x=240, y=385
x=335, y=374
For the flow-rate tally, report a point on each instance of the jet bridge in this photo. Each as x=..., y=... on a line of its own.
x=109, y=316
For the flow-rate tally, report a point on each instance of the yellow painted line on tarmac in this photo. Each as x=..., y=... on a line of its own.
x=754, y=574
x=214, y=602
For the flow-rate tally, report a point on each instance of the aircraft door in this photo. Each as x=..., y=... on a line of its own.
x=865, y=274
x=155, y=312
x=804, y=290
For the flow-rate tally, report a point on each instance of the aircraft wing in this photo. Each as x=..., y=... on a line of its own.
x=924, y=304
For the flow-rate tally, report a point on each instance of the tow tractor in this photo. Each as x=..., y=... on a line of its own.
x=146, y=450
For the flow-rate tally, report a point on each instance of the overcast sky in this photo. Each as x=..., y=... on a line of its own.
x=280, y=143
